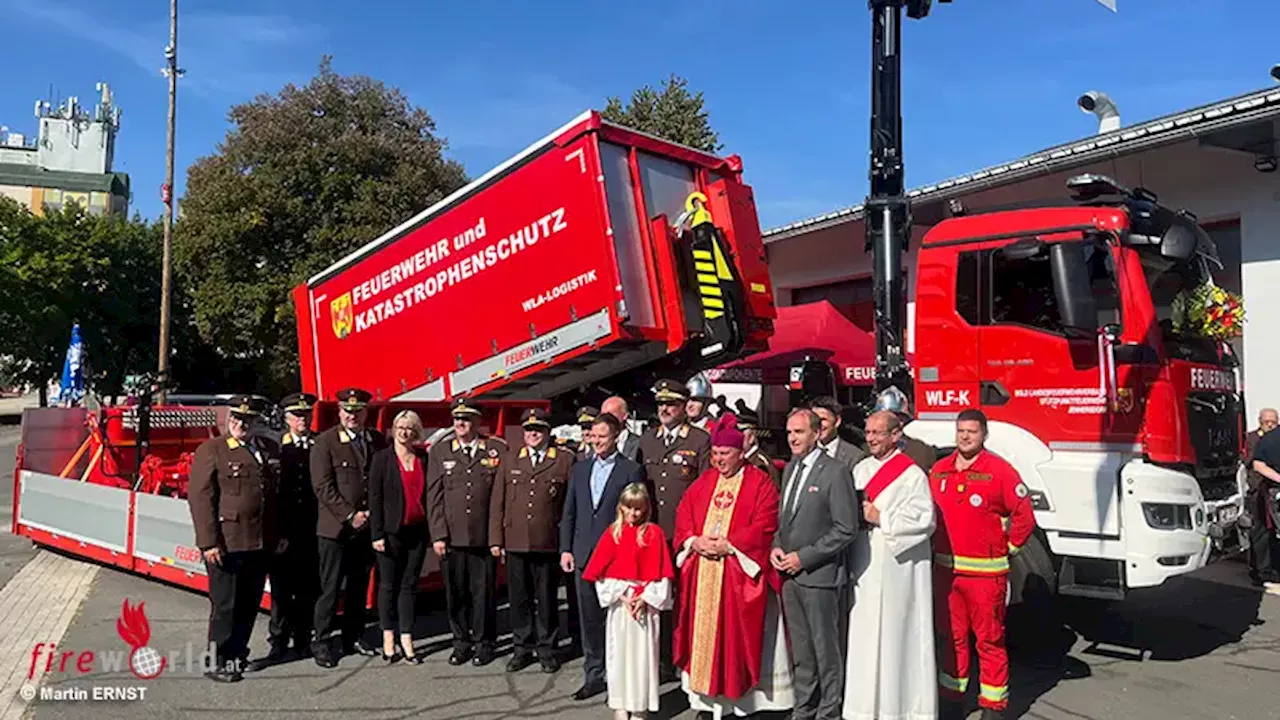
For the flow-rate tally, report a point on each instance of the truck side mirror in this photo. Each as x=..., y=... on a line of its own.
x=1179, y=241
x=1072, y=287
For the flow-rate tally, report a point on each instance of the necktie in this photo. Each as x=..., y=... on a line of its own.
x=253, y=451
x=793, y=489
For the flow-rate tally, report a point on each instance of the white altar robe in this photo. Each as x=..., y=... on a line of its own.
x=891, y=673
x=631, y=647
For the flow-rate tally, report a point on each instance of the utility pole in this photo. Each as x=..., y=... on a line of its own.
x=172, y=72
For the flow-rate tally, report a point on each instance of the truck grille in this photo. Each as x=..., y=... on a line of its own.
x=1214, y=423
x=1218, y=488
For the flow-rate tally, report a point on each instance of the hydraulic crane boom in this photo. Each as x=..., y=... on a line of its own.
x=887, y=211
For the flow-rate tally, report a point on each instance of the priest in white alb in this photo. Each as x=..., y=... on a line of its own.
x=891, y=672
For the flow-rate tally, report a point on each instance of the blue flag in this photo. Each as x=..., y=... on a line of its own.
x=71, y=390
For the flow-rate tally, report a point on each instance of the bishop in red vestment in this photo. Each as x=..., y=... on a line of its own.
x=729, y=645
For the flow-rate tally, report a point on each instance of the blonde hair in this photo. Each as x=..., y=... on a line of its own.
x=414, y=421
x=636, y=497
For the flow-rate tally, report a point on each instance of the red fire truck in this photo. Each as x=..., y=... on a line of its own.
x=598, y=256
x=1126, y=428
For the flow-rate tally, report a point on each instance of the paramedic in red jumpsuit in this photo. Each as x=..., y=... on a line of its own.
x=984, y=517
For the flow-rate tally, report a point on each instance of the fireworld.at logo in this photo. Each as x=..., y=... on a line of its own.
x=141, y=659
x=145, y=662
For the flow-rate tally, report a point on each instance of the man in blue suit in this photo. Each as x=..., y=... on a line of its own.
x=594, y=487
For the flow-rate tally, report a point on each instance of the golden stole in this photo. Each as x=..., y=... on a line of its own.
x=706, y=614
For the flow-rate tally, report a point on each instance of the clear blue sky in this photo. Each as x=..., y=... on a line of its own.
x=786, y=83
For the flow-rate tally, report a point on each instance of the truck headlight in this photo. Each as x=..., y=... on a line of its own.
x=1167, y=516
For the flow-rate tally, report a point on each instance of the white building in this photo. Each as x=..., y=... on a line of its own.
x=1217, y=161
x=69, y=160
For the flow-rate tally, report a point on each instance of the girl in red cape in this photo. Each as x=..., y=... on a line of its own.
x=632, y=572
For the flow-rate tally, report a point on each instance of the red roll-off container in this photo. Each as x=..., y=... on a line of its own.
x=559, y=268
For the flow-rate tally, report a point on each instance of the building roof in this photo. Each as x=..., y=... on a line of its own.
x=32, y=176
x=1166, y=130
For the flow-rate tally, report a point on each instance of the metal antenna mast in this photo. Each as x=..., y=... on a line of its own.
x=172, y=72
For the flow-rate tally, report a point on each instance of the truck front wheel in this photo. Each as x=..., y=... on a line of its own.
x=1034, y=623
x=1033, y=575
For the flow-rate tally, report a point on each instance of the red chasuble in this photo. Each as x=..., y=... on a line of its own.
x=625, y=559
x=719, y=636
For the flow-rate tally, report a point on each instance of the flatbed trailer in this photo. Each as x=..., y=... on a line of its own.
x=78, y=486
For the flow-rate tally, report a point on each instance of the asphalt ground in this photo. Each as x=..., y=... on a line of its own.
x=15, y=552
x=1202, y=646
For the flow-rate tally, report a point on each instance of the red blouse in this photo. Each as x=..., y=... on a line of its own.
x=414, y=483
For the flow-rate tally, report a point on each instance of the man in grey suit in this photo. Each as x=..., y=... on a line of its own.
x=628, y=442
x=830, y=412
x=817, y=520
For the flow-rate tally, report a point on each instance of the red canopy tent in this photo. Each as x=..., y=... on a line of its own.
x=814, y=330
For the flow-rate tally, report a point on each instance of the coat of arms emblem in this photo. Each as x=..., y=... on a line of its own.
x=342, y=315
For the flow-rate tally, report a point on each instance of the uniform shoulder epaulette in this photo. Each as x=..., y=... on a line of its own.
x=233, y=443
x=524, y=451
x=286, y=439
x=551, y=453
x=684, y=430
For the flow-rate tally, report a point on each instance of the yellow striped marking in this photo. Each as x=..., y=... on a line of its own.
x=985, y=566
x=993, y=693
x=712, y=268
x=954, y=684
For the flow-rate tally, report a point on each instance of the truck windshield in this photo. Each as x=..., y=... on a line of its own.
x=1167, y=279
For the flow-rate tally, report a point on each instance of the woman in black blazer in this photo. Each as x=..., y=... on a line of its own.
x=398, y=523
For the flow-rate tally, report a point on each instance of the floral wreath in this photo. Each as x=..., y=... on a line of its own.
x=1209, y=311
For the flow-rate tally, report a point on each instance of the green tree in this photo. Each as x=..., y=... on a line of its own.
x=303, y=178
x=671, y=112
x=66, y=267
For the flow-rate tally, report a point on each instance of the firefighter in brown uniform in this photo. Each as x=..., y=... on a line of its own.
x=295, y=578
x=460, y=477
x=232, y=497
x=749, y=424
x=339, y=466
x=673, y=455
x=524, y=522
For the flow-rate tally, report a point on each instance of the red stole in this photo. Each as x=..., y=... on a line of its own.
x=887, y=473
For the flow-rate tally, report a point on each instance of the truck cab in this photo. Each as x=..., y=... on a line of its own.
x=1061, y=324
